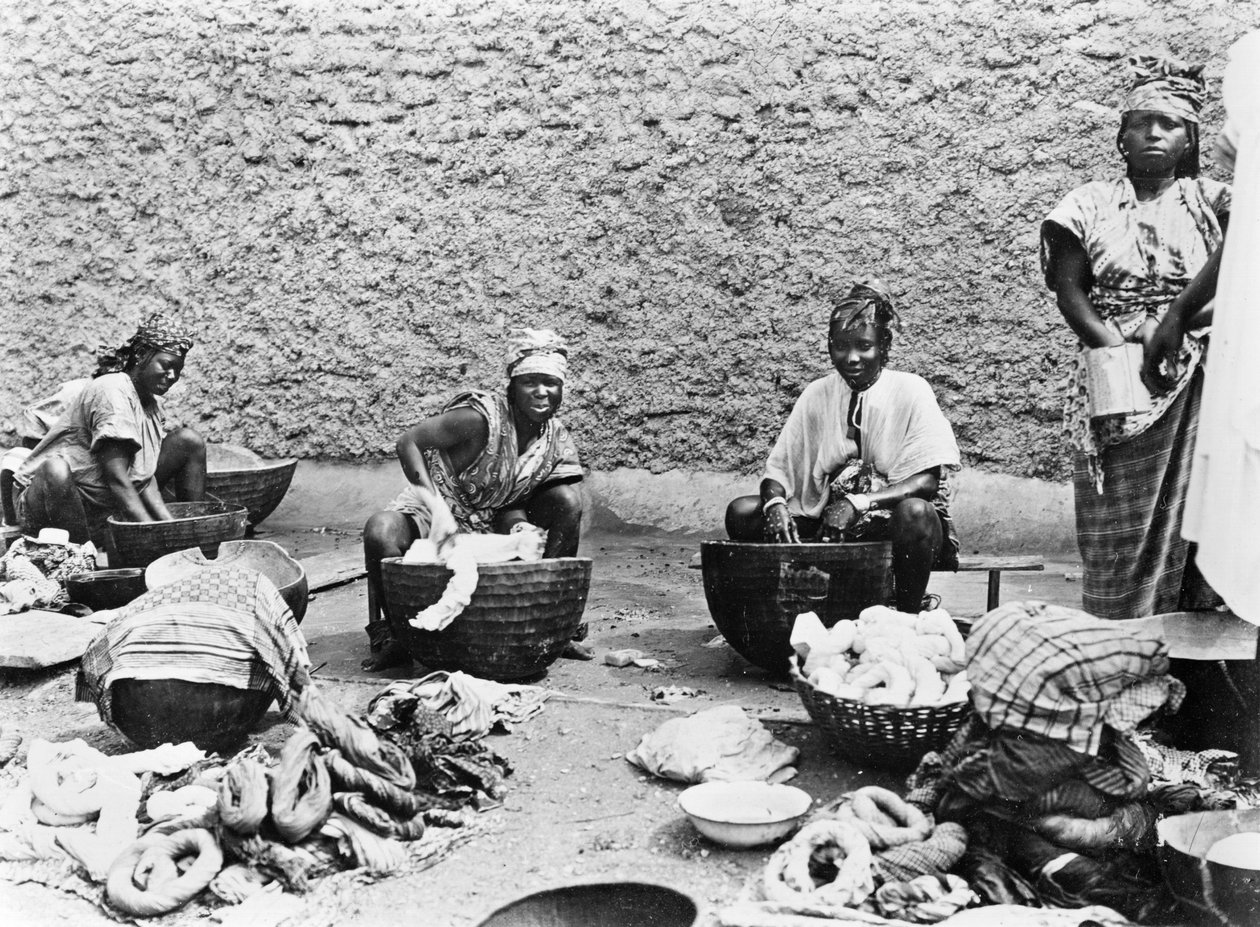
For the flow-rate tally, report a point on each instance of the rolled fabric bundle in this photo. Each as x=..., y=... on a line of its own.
x=787, y=877
x=939, y=853
x=1074, y=798
x=301, y=796
x=366, y=849
x=235, y=883
x=883, y=817
x=243, y=796
x=358, y=808
x=44, y=814
x=349, y=778
x=356, y=740
x=145, y=880
x=1131, y=826
x=924, y=900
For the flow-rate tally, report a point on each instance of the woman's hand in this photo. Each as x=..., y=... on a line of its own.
x=1159, y=351
x=780, y=527
x=837, y=517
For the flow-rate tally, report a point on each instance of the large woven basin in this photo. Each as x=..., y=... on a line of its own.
x=607, y=904
x=217, y=718
x=755, y=591
x=266, y=557
x=193, y=524
x=240, y=477
x=519, y=620
x=1210, y=892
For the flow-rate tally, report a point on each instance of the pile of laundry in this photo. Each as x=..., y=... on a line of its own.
x=145, y=833
x=33, y=571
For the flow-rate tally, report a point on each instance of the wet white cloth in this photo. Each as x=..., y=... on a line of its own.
x=472, y=705
x=904, y=432
x=720, y=744
x=1223, y=501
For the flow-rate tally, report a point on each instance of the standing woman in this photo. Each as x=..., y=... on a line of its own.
x=864, y=456
x=1135, y=259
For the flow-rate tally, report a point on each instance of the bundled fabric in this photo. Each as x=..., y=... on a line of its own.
x=471, y=705
x=453, y=770
x=33, y=574
x=717, y=744
x=147, y=880
x=243, y=796
x=788, y=875
x=365, y=849
x=228, y=627
x=1130, y=827
x=925, y=900
x=301, y=795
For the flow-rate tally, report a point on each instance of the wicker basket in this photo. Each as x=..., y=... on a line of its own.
x=217, y=718
x=879, y=735
x=755, y=591
x=265, y=557
x=260, y=489
x=193, y=524
x=519, y=620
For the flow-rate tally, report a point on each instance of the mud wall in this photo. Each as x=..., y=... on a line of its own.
x=351, y=202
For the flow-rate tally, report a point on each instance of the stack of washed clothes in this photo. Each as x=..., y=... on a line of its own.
x=1046, y=775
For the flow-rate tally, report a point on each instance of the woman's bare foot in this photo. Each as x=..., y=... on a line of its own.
x=391, y=655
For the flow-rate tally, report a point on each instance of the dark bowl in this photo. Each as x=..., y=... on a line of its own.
x=101, y=589
x=266, y=557
x=1212, y=892
x=755, y=591
x=607, y=904
x=217, y=718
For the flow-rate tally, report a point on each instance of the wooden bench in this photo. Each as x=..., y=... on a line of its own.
x=994, y=567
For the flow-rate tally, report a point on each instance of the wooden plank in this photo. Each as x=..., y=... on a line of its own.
x=976, y=564
x=334, y=568
x=37, y=639
x=1202, y=635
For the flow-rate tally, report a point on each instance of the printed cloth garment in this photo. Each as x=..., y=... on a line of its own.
x=219, y=626
x=903, y=432
x=1141, y=255
x=502, y=475
x=1060, y=673
x=108, y=408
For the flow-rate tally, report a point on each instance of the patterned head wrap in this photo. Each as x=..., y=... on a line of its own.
x=1164, y=84
x=159, y=332
x=537, y=350
x=868, y=302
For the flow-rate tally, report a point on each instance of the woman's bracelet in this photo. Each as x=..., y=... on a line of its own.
x=771, y=503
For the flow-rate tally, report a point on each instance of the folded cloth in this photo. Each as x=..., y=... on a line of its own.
x=472, y=705
x=721, y=744
x=228, y=627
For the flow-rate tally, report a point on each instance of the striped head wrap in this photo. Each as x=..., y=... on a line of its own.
x=537, y=350
x=1164, y=84
x=159, y=332
x=868, y=301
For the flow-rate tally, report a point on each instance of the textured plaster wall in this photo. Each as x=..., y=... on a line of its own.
x=351, y=202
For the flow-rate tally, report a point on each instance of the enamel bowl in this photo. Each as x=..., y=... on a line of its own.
x=744, y=814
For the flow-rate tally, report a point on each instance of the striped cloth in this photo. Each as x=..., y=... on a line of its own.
x=1059, y=673
x=229, y=627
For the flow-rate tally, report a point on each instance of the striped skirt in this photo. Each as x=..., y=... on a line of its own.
x=1135, y=560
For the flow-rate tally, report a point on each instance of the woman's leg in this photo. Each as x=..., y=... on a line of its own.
x=52, y=500
x=558, y=509
x=916, y=535
x=744, y=521
x=386, y=534
x=181, y=466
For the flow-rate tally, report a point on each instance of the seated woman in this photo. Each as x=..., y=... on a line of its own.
x=104, y=455
x=501, y=462
x=863, y=456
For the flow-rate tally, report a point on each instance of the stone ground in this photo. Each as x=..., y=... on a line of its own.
x=575, y=811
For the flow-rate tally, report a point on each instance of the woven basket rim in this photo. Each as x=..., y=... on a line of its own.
x=229, y=509
x=853, y=706
x=508, y=566
x=808, y=546
x=270, y=467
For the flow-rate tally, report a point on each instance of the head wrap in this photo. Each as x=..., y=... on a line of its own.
x=537, y=350
x=868, y=301
x=159, y=332
x=1164, y=84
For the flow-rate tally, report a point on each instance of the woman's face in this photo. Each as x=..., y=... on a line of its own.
x=855, y=353
x=1152, y=143
x=153, y=377
x=536, y=396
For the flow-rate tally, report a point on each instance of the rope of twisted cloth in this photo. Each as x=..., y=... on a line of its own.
x=356, y=741
x=359, y=809
x=401, y=803
x=146, y=879
x=243, y=796
x=301, y=795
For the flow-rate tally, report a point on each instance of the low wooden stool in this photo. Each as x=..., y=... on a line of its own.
x=994, y=567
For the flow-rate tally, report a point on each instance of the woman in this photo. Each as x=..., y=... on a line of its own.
x=502, y=463
x=1135, y=259
x=102, y=455
x=863, y=456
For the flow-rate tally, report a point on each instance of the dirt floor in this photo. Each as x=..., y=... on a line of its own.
x=576, y=810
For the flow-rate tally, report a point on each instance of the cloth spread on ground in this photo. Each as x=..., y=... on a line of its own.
x=717, y=744
x=1223, y=499
x=228, y=627
x=903, y=433
x=108, y=408
x=33, y=575
x=472, y=705
x=502, y=475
